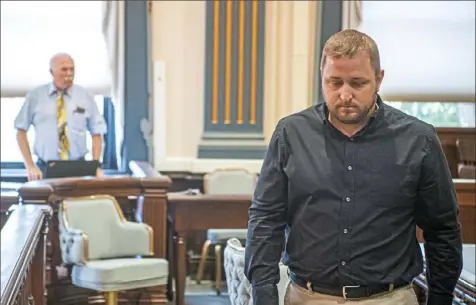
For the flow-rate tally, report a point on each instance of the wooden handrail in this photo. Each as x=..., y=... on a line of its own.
x=23, y=250
x=113, y=185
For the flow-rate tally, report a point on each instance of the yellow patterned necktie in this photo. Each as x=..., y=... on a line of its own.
x=63, y=148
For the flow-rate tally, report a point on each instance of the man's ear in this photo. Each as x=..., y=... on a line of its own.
x=380, y=76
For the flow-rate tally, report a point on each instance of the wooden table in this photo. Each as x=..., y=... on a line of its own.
x=199, y=212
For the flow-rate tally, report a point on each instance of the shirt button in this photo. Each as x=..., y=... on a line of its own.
x=347, y=199
x=345, y=231
x=351, y=139
x=343, y=263
x=349, y=167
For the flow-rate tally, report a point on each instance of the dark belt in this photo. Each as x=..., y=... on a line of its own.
x=347, y=292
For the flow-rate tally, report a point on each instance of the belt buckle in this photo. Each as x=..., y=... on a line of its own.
x=344, y=290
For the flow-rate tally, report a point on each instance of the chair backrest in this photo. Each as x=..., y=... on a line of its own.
x=239, y=288
x=100, y=218
x=229, y=181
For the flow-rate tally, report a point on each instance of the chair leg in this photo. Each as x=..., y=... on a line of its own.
x=203, y=261
x=111, y=297
x=218, y=268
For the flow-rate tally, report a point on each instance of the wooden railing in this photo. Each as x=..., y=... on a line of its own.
x=8, y=199
x=23, y=250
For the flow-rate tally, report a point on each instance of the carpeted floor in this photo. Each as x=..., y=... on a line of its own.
x=204, y=294
x=206, y=300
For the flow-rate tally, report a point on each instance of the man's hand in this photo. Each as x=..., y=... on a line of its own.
x=34, y=173
x=99, y=172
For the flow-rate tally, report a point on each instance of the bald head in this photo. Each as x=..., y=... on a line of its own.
x=57, y=57
x=62, y=70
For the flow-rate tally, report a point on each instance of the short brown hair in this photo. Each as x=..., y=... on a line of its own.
x=347, y=43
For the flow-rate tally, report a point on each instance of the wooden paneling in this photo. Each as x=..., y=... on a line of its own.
x=448, y=138
x=23, y=280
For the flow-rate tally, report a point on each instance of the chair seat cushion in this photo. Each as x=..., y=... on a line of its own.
x=223, y=235
x=121, y=274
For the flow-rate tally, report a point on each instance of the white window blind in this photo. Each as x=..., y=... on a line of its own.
x=33, y=31
x=427, y=48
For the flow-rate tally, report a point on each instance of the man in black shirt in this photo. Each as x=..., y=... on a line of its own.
x=343, y=186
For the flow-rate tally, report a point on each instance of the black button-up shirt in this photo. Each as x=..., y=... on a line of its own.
x=349, y=206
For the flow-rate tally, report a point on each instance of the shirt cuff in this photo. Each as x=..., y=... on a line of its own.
x=435, y=299
x=265, y=295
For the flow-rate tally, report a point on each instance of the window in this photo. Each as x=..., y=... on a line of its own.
x=458, y=115
x=10, y=106
x=425, y=74
x=80, y=35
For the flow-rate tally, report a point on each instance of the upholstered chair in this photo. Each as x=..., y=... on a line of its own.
x=108, y=253
x=239, y=288
x=228, y=181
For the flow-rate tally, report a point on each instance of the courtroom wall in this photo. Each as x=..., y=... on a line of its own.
x=179, y=46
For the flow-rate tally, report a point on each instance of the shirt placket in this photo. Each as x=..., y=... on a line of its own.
x=347, y=207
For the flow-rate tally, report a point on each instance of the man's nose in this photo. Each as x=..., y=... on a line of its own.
x=346, y=93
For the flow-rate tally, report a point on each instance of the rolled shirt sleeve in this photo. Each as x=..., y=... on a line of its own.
x=96, y=123
x=24, y=118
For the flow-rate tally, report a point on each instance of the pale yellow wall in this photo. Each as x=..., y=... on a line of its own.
x=178, y=40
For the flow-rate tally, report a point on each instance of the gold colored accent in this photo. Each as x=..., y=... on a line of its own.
x=312, y=46
x=218, y=267
x=216, y=57
x=86, y=246
x=151, y=239
x=241, y=46
x=228, y=41
x=203, y=260
x=254, y=34
x=149, y=6
x=111, y=297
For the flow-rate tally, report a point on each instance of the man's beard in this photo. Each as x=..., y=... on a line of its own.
x=358, y=116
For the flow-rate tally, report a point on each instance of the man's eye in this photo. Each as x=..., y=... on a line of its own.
x=358, y=84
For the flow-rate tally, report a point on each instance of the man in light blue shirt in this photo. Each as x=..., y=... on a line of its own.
x=40, y=110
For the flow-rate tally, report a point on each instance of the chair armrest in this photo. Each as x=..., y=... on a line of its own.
x=74, y=246
x=137, y=239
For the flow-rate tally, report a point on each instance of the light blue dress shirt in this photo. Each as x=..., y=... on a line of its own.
x=39, y=110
